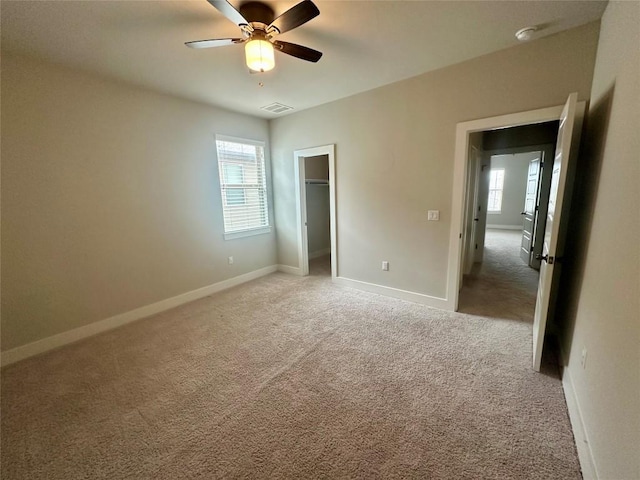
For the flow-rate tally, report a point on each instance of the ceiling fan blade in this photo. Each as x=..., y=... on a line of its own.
x=295, y=16
x=215, y=42
x=298, y=51
x=229, y=11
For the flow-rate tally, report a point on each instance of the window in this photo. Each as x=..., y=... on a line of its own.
x=243, y=186
x=496, y=183
x=233, y=175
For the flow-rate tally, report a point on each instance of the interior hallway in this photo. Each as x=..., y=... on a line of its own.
x=502, y=286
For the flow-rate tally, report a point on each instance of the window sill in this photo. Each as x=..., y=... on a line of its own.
x=494, y=213
x=247, y=233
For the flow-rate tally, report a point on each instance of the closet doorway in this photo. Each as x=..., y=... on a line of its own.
x=315, y=209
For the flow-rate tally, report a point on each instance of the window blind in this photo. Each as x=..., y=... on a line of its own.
x=243, y=185
x=496, y=184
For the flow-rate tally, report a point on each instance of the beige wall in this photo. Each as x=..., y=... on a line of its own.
x=602, y=304
x=316, y=167
x=516, y=172
x=394, y=154
x=110, y=199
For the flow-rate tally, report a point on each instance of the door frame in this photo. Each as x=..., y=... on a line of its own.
x=301, y=206
x=471, y=210
x=461, y=161
x=484, y=175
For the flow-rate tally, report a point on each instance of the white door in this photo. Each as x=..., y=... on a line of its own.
x=480, y=218
x=555, y=229
x=529, y=211
x=471, y=247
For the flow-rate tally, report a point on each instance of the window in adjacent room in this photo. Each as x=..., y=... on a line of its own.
x=243, y=186
x=496, y=184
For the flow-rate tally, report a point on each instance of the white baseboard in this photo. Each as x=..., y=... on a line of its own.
x=505, y=227
x=320, y=253
x=435, y=302
x=585, y=455
x=70, y=336
x=290, y=270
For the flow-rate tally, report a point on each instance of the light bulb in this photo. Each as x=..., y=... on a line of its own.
x=260, y=56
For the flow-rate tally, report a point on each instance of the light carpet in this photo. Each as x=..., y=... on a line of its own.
x=291, y=377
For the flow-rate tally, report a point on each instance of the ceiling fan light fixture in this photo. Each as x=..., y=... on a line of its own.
x=259, y=55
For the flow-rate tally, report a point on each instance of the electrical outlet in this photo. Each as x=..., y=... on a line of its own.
x=230, y=260
x=385, y=266
x=433, y=215
x=583, y=358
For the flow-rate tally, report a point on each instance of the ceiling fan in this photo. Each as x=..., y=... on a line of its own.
x=259, y=27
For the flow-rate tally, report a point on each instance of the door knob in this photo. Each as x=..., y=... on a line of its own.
x=476, y=219
x=546, y=258
x=523, y=213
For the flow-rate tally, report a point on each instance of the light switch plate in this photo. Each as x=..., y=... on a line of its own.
x=433, y=215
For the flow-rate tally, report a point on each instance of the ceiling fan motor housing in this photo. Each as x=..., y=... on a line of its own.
x=257, y=12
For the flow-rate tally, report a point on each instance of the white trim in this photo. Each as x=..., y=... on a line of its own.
x=290, y=270
x=70, y=336
x=333, y=218
x=435, y=302
x=585, y=455
x=301, y=212
x=247, y=233
x=463, y=130
x=505, y=227
x=248, y=141
x=301, y=206
x=320, y=253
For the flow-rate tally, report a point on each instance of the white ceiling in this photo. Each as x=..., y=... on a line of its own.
x=366, y=44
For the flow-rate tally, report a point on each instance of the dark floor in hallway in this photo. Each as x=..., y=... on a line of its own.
x=320, y=266
x=502, y=286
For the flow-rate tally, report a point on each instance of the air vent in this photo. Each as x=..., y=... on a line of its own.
x=276, y=108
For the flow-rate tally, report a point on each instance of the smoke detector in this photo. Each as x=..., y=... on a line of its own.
x=525, y=34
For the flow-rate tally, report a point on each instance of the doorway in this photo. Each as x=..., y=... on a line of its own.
x=518, y=193
x=500, y=279
x=316, y=210
x=508, y=189
x=318, y=214
x=570, y=118
x=477, y=136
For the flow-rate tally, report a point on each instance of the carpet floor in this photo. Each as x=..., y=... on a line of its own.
x=294, y=377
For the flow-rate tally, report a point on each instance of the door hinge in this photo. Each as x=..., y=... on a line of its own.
x=476, y=246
